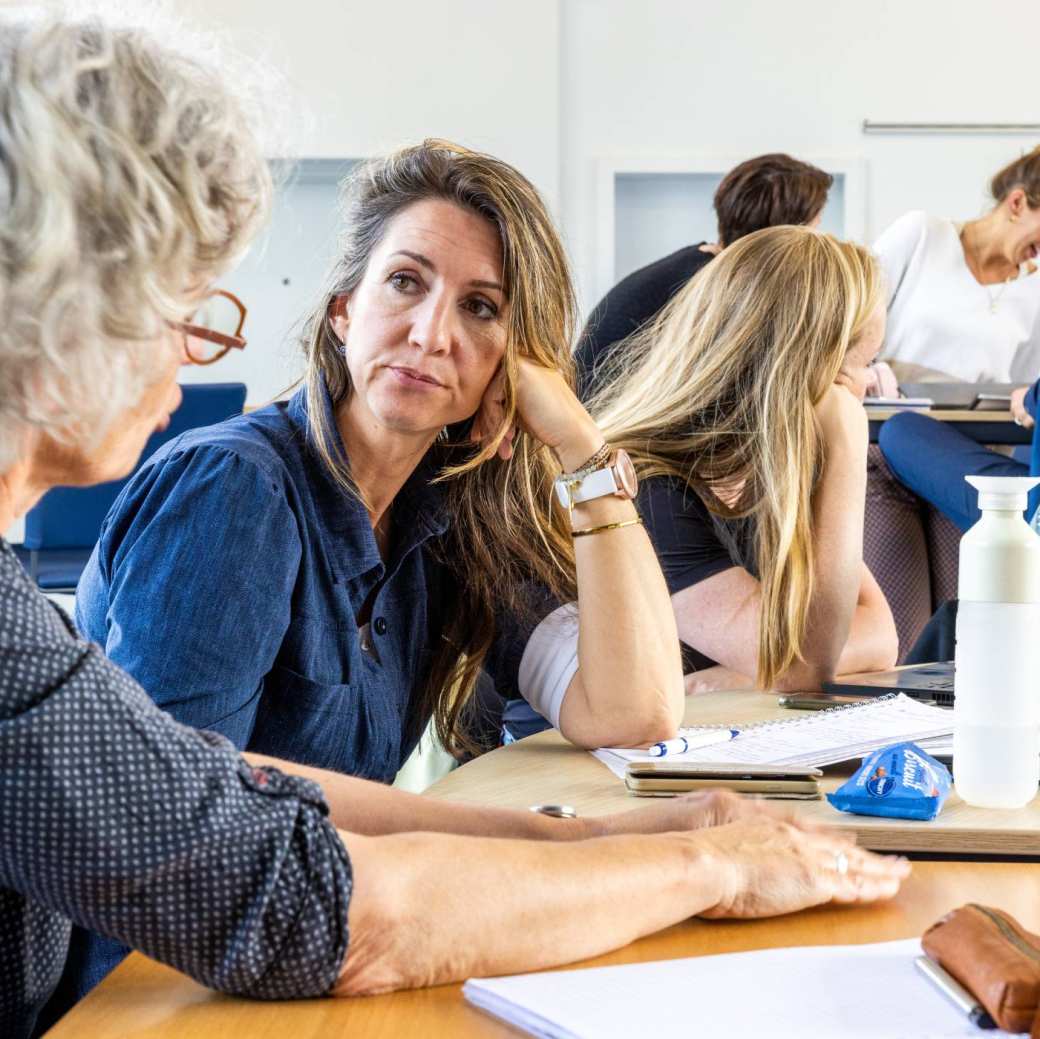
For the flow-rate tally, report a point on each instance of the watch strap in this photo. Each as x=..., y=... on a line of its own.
x=597, y=484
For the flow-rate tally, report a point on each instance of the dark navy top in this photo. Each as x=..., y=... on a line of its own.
x=116, y=817
x=629, y=305
x=228, y=580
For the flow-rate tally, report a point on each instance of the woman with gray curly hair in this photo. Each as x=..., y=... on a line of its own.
x=129, y=183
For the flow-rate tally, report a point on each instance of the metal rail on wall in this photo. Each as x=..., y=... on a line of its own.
x=951, y=128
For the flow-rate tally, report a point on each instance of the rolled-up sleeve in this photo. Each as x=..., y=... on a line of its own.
x=156, y=834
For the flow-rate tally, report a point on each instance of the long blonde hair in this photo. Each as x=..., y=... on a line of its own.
x=719, y=390
x=506, y=528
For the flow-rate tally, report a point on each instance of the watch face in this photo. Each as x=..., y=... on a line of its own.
x=626, y=474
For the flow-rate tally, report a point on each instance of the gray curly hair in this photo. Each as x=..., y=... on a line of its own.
x=129, y=178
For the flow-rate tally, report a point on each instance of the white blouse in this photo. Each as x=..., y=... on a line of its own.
x=941, y=319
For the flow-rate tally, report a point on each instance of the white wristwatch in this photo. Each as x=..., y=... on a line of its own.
x=617, y=477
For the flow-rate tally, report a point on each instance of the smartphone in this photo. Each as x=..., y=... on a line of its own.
x=818, y=701
x=662, y=778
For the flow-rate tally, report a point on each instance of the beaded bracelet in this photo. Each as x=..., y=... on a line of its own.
x=597, y=461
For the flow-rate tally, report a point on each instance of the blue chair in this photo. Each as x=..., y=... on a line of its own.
x=60, y=532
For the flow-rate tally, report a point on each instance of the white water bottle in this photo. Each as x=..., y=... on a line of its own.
x=996, y=713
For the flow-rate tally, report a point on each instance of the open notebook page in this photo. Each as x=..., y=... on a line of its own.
x=820, y=738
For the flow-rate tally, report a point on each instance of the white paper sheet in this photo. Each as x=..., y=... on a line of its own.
x=816, y=738
x=820, y=992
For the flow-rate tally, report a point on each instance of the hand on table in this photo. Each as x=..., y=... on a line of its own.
x=693, y=811
x=768, y=867
x=1018, y=408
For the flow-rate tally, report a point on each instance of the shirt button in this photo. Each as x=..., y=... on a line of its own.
x=380, y=625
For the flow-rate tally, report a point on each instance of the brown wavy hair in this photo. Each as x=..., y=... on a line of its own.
x=766, y=191
x=507, y=530
x=719, y=391
x=1024, y=173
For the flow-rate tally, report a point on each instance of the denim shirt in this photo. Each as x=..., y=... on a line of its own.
x=228, y=581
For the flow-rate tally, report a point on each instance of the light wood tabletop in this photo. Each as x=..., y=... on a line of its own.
x=987, y=427
x=144, y=1000
x=545, y=769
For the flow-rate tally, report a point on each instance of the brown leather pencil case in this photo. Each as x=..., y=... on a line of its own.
x=995, y=958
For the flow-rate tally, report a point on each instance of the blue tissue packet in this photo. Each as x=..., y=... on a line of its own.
x=901, y=782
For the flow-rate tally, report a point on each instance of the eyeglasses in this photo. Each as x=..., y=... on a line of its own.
x=214, y=329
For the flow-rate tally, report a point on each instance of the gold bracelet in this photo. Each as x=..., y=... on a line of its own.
x=606, y=526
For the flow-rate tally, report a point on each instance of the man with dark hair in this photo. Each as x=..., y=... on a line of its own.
x=762, y=192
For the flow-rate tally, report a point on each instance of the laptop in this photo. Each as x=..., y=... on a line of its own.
x=963, y=396
x=929, y=682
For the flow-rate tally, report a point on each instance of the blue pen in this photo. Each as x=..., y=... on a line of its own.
x=695, y=741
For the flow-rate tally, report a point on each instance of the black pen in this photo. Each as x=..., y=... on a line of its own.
x=955, y=992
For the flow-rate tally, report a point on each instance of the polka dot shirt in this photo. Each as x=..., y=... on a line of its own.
x=116, y=817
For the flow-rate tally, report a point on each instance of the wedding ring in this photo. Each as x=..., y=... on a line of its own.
x=1017, y=420
x=841, y=863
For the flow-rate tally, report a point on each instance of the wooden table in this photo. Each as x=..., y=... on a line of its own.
x=987, y=427
x=144, y=1000
x=545, y=769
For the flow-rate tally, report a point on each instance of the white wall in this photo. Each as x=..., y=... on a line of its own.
x=667, y=77
x=556, y=86
x=375, y=75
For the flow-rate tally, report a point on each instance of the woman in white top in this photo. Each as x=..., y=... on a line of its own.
x=964, y=299
x=964, y=304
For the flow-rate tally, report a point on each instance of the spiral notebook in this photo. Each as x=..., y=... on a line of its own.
x=820, y=738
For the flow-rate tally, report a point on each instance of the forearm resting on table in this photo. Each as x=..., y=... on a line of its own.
x=628, y=689
x=374, y=809
x=429, y=908
x=873, y=644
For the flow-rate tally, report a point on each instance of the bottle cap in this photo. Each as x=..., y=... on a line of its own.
x=1009, y=493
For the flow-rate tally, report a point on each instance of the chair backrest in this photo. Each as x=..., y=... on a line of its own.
x=71, y=517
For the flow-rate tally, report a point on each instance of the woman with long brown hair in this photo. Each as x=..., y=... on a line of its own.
x=402, y=501
x=742, y=411
x=319, y=579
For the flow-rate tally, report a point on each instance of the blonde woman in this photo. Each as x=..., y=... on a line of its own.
x=742, y=412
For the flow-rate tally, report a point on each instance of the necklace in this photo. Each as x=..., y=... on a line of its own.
x=972, y=254
x=994, y=299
